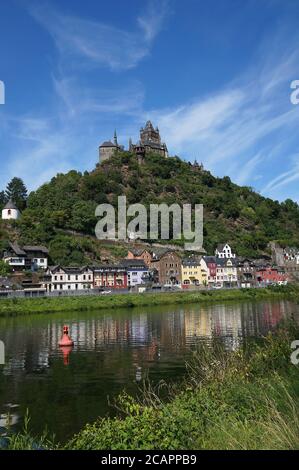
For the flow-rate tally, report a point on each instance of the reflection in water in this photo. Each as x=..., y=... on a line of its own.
x=111, y=351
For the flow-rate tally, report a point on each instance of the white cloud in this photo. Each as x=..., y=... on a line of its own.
x=87, y=41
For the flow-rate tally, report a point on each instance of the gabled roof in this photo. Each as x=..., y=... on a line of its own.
x=224, y=261
x=132, y=263
x=17, y=249
x=195, y=261
x=69, y=269
x=108, y=143
x=220, y=246
x=210, y=259
x=43, y=249
x=10, y=205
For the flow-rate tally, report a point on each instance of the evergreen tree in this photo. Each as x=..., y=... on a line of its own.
x=3, y=199
x=17, y=192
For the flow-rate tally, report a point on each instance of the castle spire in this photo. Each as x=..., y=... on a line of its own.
x=115, y=138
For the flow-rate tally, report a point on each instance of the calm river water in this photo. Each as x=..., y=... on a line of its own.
x=113, y=350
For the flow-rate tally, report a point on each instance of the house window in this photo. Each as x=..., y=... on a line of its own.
x=69, y=278
x=84, y=277
x=76, y=277
x=76, y=286
x=9, y=212
x=55, y=278
x=61, y=277
x=61, y=286
x=69, y=287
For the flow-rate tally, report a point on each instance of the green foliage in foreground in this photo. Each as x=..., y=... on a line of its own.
x=247, y=399
x=23, y=306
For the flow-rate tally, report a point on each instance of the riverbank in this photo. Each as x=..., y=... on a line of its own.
x=246, y=399
x=21, y=306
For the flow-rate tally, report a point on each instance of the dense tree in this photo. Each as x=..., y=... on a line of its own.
x=17, y=192
x=4, y=268
x=3, y=199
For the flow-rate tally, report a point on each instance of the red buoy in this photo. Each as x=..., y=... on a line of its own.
x=65, y=338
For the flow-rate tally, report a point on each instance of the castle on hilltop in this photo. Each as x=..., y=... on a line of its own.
x=150, y=142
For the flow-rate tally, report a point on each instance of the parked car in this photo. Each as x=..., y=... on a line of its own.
x=104, y=292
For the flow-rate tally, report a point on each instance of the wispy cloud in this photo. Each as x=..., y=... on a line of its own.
x=234, y=131
x=89, y=42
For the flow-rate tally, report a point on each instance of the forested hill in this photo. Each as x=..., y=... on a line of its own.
x=231, y=213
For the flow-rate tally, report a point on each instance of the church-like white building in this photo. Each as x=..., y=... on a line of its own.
x=224, y=251
x=10, y=211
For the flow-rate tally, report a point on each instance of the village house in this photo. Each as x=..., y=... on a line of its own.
x=110, y=276
x=60, y=278
x=142, y=254
x=194, y=272
x=137, y=271
x=271, y=275
x=168, y=265
x=246, y=272
x=224, y=250
x=226, y=275
x=26, y=257
x=212, y=269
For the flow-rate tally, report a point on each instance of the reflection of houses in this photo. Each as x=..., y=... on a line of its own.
x=60, y=278
x=194, y=272
x=110, y=276
x=198, y=324
x=226, y=272
x=26, y=257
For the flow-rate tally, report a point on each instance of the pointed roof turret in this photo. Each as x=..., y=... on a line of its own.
x=115, y=138
x=10, y=205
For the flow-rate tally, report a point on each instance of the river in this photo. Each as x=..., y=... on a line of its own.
x=113, y=350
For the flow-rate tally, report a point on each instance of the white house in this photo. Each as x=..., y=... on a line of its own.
x=137, y=271
x=10, y=211
x=224, y=251
x=26, y=257
x=226, y=272
x=60, y=278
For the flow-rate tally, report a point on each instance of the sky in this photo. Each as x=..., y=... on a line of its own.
x=214, y=76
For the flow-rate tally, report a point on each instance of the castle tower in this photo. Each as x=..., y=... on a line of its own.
x=150, y=135
x=10, y=211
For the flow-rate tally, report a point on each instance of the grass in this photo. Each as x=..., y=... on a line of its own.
x=23, y=306
x=246, y=399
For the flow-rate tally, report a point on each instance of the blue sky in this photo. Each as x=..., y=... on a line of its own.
x=214, y=76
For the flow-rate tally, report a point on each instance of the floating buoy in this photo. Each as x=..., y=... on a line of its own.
x=65, y=340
